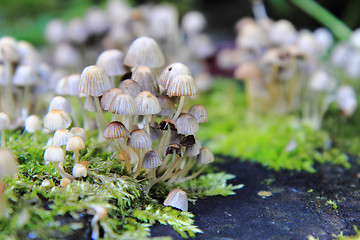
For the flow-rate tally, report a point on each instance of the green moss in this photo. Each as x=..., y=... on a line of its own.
x=342, y=237
x=55, y=212
x=262, y=139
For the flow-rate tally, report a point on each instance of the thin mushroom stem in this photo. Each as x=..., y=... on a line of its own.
x=76, y=156
x=26, y=102
x=62, y=171
x=3, y=138
x=86, y=124
x=8, y=88
x=122, y=151
x=147, y=119
x=139, y=165
x=180, y=106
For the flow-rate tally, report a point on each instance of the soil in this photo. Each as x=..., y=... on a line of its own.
x=279, y=205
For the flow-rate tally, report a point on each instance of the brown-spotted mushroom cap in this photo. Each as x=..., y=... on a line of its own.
x=177, y=198
x=151, y=160
x=115, y=130
x=57, y=119
x=93, y=81
x=147, y=103
x=112, y=62
x=187, y=124
x=144, y=51
x=123, y=104
x=199, y=112
x=139, y=139
x=171, y=71
x=182, y=85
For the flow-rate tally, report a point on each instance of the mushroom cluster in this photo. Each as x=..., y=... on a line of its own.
x=285, y=70
x=76, y=43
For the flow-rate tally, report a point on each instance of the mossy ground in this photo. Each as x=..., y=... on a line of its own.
x=54, y=212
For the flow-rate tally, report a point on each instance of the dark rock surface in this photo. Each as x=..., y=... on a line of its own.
x=298, y=206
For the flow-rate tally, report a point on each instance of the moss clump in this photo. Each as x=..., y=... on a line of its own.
x=264, y=140
x=54, y=212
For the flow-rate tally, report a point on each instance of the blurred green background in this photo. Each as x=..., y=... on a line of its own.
x=26, y=19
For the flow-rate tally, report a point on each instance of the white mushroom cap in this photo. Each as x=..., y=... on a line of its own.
x=60, y=103
x=94, y=81
x=61, y=137
x=75, y=143
x=54, y=154
x=205, y=156
x=55, y=31
x=25, y=75
x=111, y=61
x=172, y=71
x=32, y=124
x=193, y=22
x=76, y=131
x=177, y=198
x=79, y=170
x=182, y=85
x=57, y=119
x=139, y=139
x=151, y=160
x=144, y=51
x=187, y=124
x=147, y=103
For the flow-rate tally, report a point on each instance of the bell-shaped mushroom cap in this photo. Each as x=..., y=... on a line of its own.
x=130, y=87
x=61, y=137
x=4, y=121
x=112, y=62
x=57, y=119
x=167, y=106
x=182, y=85
x=177, y=198
x=79, y=170
x=60, y=103
x=247, y=71
x=93, y=81
x=187, y=124
x=54, y=154
x=199, y=112
x=147, y=103
x=8, y=164
x=194, y=150
x=151, y=160
x=68, y=85
x=193, y=22
x=76, y=131
x=76, y=31
x=205, y=156
x=25, y=75
x=146, y=78
x=8, y=49
x=75, y=143
x=123, y=104
x=115, y=130
x=96, y=20
x=32, y=124
x=321, y=81
x=144, y=51
x=107, y=98
x=172, y=71
x=139, y=139
x=55, y=31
